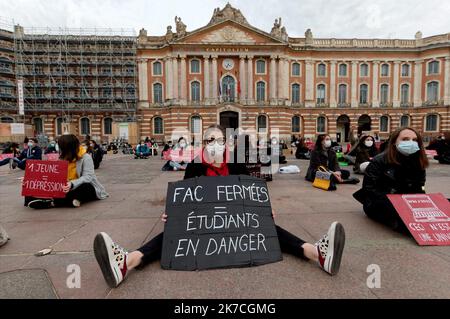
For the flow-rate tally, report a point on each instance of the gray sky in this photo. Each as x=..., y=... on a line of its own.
x=326, y=18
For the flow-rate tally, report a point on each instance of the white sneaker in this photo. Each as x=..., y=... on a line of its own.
x=330, y=249
x=76, y=203
x=111, y=258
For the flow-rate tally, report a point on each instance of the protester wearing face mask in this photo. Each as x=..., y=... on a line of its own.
x=180, y=150
x=116, y=263
x=365, y=151
x=13, y=149
x=142, y=150
x=82, y=185
x=167, y=147
x=51, y=148
x=32, y=152
x=324, y=155
x=276, y=149
x=400, y=169
x=442, y=147
x=96, y=152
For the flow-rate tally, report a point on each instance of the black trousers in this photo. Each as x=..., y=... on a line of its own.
x=382, y=211
x=289, y=244
x=84, y=193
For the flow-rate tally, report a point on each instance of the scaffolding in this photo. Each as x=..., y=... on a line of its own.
x=67, y=70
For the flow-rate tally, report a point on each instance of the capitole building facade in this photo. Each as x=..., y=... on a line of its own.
x=231, y=73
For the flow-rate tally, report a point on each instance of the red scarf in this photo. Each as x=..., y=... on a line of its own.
x=212, y=170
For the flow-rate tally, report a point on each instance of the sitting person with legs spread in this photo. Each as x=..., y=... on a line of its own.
x=142, y=151
x=12, y=149
x=82, y=185
x=32, y=152
x=116, y=263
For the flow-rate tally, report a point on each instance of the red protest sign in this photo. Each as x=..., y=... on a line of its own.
x=45, y=179
x=5, y=156
x=427, y=217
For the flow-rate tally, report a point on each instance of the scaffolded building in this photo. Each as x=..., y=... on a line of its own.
x=81, y=81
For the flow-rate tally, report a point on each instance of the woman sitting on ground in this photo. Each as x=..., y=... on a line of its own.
x=12, y=149
x=302, y=151
x=115, y=262
x=324, y=155
x=82, y=185
x=442, y=147
x=398, y=170
x=365, y=151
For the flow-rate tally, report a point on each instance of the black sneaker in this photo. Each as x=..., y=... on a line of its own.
x=13, y=165
x=352, y=180
x=41, y=204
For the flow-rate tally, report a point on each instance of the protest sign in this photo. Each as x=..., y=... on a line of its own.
x=219, y=222
x=5, y=156
x=45, y=179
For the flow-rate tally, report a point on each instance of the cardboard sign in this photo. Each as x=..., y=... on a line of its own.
x=52, y=157
x=427, y=217
x=219, y=222
x=4, y=156
x=431, y=153
x=45, y=179
x=17, y=128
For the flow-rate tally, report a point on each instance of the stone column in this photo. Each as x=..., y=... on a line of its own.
x=169, y=78
x=309, y=82
x=183, y=86
x=242, y=96
x=206, y=79
x=250, y=80
x=333, y=102
x=214, y=79
x=354, y=91
x=395, y=97
x=143, y=83
x=418, y=83
x=447, y=82
x=176, y=93
x=286, y=78
x=375, y=89
x=273, y=80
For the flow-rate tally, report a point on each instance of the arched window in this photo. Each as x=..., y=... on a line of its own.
x=295, y=93
x=384, y=94
x=158, y=125
x=38, y=125
x=384, y=124
x=404, y=98
x=228, y=86
x=195, y=91
x=433, y=91
x=321, y=94
x=85, y=126
x=6, y=119
x=363, y=94
x=431, y=123
x=404, y=121
x=260, y=91
x=295, y=69
x=321, y=70
x=262, y=124
x=196, y=124
x=195, y=66
x=260, y=67
x=342, y=94
x=364, y=70
x=296, y=124
x=157, y=68
x=433, y=67
x=157, y=93
x=321, y=125
x=343, y=70
x=107, y=126
x=406, y=70
x=385, y=70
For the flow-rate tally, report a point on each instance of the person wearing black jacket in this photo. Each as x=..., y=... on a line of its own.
x=302, y=151
x=33, y=152
x=398, y=170
x=324, y=155
x=115, y=262
x=364, y=152
x=13, y=149
x=442, y=146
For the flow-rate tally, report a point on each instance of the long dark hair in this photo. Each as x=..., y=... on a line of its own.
x=393, y=155
x=320, y=138
x=69, y=146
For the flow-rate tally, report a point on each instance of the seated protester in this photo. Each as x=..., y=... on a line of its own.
x=324, y=155
x=398, y=170
x=96, y=152
x=13, y=149
x=33, y=152
x=115, y=262
x=142, y=150
x=82, y=185
x=180, y=149
x=51, y=148
x=277, y=150
x=167, y=147
x=442, y=146
x=365, y=151
x=302, y=151
x=154, y=149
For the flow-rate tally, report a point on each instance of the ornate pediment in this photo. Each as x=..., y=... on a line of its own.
x=228, y=34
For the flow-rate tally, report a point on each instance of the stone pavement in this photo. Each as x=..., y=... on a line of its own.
x=131, y=216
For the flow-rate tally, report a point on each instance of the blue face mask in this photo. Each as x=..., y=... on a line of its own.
x=408, y=147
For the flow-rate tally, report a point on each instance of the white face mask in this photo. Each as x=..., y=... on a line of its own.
x=215, y=151
x=30, y=144
x=368, y=143
x=327, y=143
x=182, y=145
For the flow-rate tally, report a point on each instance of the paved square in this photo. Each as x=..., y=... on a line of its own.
x=131, y=216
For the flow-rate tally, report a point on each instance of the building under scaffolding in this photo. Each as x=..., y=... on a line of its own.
x=77, y=80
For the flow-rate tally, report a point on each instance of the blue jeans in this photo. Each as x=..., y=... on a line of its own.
x=22, y=164
x=5, y=161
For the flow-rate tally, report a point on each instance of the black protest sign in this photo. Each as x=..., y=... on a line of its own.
x=219, y=222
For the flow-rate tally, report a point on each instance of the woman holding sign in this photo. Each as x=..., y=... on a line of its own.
x=400, y=169
x=82, y=185
x=115, y=262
